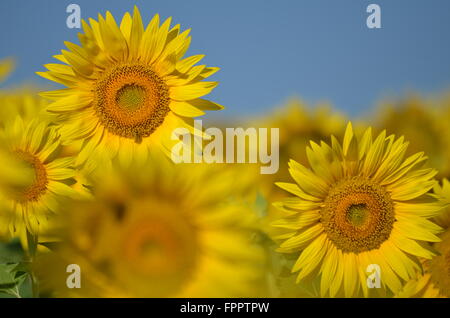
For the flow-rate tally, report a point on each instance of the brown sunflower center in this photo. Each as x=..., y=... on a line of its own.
x=160, y=250
x=131, y=101
x=358, y=215
x=38, y=185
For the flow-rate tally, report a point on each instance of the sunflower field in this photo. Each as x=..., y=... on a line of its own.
x=93, y=204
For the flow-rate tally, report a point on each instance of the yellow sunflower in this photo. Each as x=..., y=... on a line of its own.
x=435, y=281
x=300, y=123
x=6, y=67
x=28, y=205
x=15, y=176
x=24, y=102
x=128, y=87
x=424, y=123
x=164, y=231
x=362, y=203
x=443, y=193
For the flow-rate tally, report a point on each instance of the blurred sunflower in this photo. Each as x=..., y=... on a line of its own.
x=435, y=281
x=173, y=231
x=6, y=67
x=128, y=87
x=362, y=203
x=28, y=205
x=423, y=124
x=297, y=124
x=443, y=193
x=300, y=124
x=23, y=102
x=15, y=176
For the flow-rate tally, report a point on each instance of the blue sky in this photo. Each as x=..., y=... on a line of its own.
x=269, y=50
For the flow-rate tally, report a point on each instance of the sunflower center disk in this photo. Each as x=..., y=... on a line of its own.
x=161, y=252
x=131, y=101
x=38, y=185
x=131, y=97
x=358, y=215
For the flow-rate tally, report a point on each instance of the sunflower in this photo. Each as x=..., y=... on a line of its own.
x=24, y=102
x=16, y=176
x=128, y=87
x=28, y=205
x=424, y=123
x=17, y=173
x=167, y=231
x=443, y=193
x=435, y=281
x=6, y=67
x=362, y=203
x=298, y=124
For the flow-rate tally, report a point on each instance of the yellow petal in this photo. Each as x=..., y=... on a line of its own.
x=161, y=39
x=350, y=278
x=149, y=38
x=328, y=269
x=204, y=104
x=61, y=173
x=37, y=136
x=137, y=30
x=409, y=246
x=311, y=257
x=185, y=109
x=192, y=91
x=304, y=237
x=184, y=65
x=294, y=189
x=61, y=189
x=68, y=104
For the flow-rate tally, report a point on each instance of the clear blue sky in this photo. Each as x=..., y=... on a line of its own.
x=269, y=50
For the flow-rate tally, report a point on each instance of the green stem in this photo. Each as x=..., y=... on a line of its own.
x=32, y=242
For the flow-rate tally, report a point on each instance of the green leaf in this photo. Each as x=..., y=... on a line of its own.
x=26, y=287
x=32, y=243
x=6, y=274
x=11, y=252
x=22, y=269
x=8, y=283
x=15, y=280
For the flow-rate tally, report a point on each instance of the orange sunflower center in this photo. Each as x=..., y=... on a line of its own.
x=131, y=101
x=38, y=185
x=159, y=250
x=358, y=215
